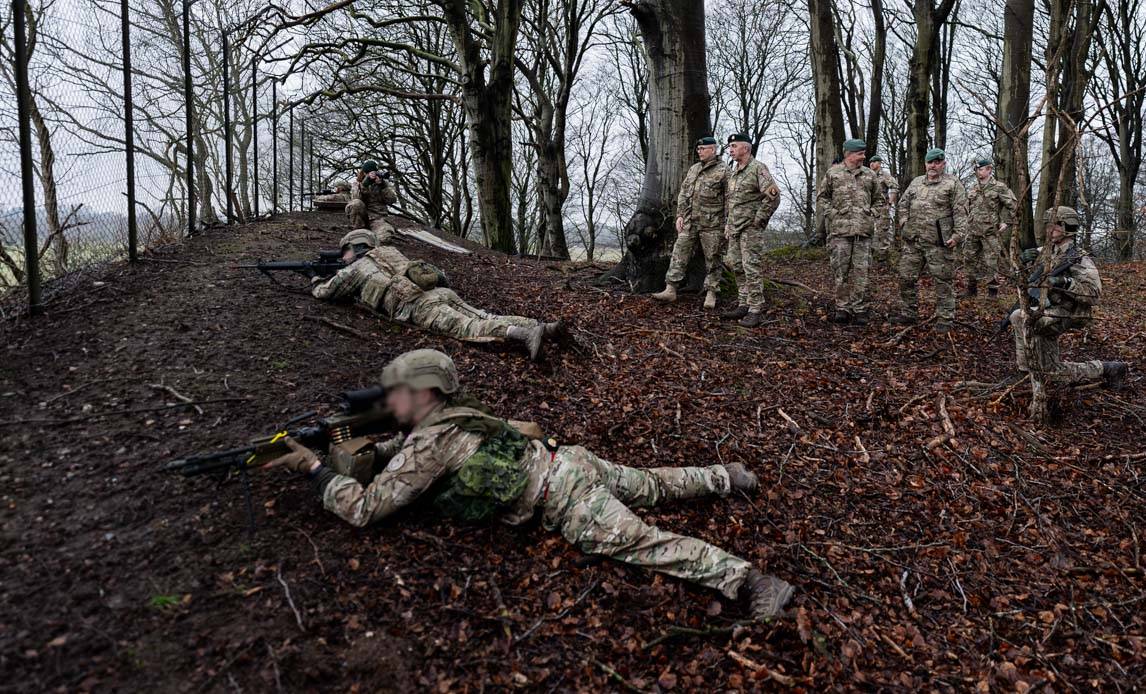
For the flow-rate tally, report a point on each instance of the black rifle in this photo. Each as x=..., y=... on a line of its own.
x=362, y=415
x=327, y=265
x=1037, y=282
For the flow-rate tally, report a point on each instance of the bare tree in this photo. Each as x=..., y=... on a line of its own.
x=925, y=57
x=594, y=167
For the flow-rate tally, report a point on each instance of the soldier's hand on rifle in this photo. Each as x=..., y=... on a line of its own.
x=300, y=458
x=1029, y=255
x=1060, y=282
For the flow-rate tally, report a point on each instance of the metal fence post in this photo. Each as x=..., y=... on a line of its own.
x=23, y=94
x=274, y=147
x=290, y=160
x=301, y=162
x=313, y=181
x=129, y=132
x=228, y=145
x=255, y=125
x=188, y=95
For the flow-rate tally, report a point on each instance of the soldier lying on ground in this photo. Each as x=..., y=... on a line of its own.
x=415, y=292
x=477, y=467
x=1070, y=298
x=336, y=200
x=370, y=195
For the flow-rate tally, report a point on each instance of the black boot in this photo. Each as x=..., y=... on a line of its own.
x=752, y=319
x=842, y=317
x=735, y=314
x=1114, y=374
x=740, y=477
x=971, y=290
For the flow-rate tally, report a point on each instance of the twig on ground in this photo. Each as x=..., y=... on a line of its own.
x=337, y=326
x=792, y=426
x=675, y=631
x=313, y=546
x=673, y=352
x=786, y=680
x=864, y=457
x=948, y=428
x=907, y=598
x=176, y=394
x=78, y=388
x=894, y=646
x=616, y=676
x=898, y=337
x=290, y=600
x=561, y=615
x=1007, y=392
x=116, y=413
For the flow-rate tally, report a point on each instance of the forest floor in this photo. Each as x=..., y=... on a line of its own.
x=1007, y=557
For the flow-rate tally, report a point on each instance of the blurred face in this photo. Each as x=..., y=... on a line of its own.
x=410, y=406
x=348, y=254
x=1055, y=232
x=875, y=166
x=706, y=152
x=740, y=151
x=984, y=172
x=853, y=160
x=935, y=168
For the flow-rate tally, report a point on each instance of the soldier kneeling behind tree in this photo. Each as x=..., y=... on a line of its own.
x=475, y=466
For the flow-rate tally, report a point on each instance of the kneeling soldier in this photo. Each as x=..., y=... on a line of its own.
x=478, y=467
x=415, y=292
x=370, y=195
x=1070, y=299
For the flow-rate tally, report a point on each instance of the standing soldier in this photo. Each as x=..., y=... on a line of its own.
x=473, y=466
x=369, y=196
x=991, y=209
x=846, y=196
x=882, y=206
x=752, y=197
x=699, y=213
x=1070, y=297
x=932, y=215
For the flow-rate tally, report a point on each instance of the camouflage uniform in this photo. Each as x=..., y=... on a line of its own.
x=751, y=199
x=701, y=205
x=583, y=497
x=379, y=280
x=989, y=205
x=1070, y=309
x=881, y=207
x=846, y=197
x=923, y=203
x=368, y=201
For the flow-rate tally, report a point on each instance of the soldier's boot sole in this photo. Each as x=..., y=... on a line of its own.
x=740, y=477
x=767, y=595
x=735, y=314
x=1114, y=374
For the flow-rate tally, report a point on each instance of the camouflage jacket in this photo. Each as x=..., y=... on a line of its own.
x=926, y=202
x=378, y=279
x=1078, y=301
x=752, y=197
x=846, y=196
x=887, y=184
x=377, y=196
x=989, y=205
x=414, y=463
x=701, y=198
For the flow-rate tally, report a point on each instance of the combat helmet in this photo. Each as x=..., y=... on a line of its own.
x=340, y=185
x=359, y=237
x=422, y=368
x=1066, y=216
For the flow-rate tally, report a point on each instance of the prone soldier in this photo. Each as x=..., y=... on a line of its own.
x=699, y=215
x=991, y=211
x=933, y=220
x=476, y=467
x=751, y=199
x=847, y=193
x=415, y=292
x=882, y=207
x=336, y=200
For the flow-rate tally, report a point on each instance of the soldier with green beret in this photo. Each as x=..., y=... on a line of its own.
x=1066, y=302
x=473, y=466
x=846, y=196
x=932, y=216
x=884, y=234
x=370, y=195
x=699, y=216
x=751, y=199
x=991, y=211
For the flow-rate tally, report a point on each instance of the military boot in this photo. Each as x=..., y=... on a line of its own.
x=735, y=314
x=741, y=477
x=767, y=595
x=710, y=300
x=531, y=337
x=1114, y=374
x=860, y=318
x=752, y=319
x=971, y=290
x=942, y=328
x=557, y=330
x=668, y=294
x=842, y=317
x=904, y=319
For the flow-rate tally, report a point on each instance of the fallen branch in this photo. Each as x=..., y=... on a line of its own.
x=616, y=676
x=752, y=665
x=898, y=337
x=865, y=458
x=290, y=601
x=907, y=598
x=176, y=394
x=1007, y=392
x=948, y=428
x=338, y=326
x=792, y=426
x=791, y=283
x=675, y=631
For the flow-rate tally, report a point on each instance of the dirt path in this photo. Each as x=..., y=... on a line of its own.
x=1005, y=557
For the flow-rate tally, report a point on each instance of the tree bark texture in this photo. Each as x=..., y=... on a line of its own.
x=929, y=20
x=1012, y=140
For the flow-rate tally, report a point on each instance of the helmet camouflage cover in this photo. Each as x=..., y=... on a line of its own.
x=364, y=237
x=340, y=184
x=420, y=369
x=1066, y=216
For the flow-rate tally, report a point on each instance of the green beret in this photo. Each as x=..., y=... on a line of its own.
x=983, y=161
x=369, y=165
x=876, y=159
x=933, y=154
x=706, y=141
x=854, y=145
x=739, y=137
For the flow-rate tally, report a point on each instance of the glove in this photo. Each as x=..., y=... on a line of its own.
x=1060, y=282
x=300, y=458
x=1029, y=255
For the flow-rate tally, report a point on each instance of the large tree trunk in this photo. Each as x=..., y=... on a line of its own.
x=829, y=120
x=673, y=34
x=878, y=53
x=1011, y=145
x=924, y=56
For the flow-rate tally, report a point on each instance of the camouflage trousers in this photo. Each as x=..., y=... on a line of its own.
x=443, y=312
x=940, y=264
x=710, y=239
x=981, y=258
x=745, y=257
x=850, y=257
x=588, y=501
x=360, y=213
x=884, y=236
x=1041, y=350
